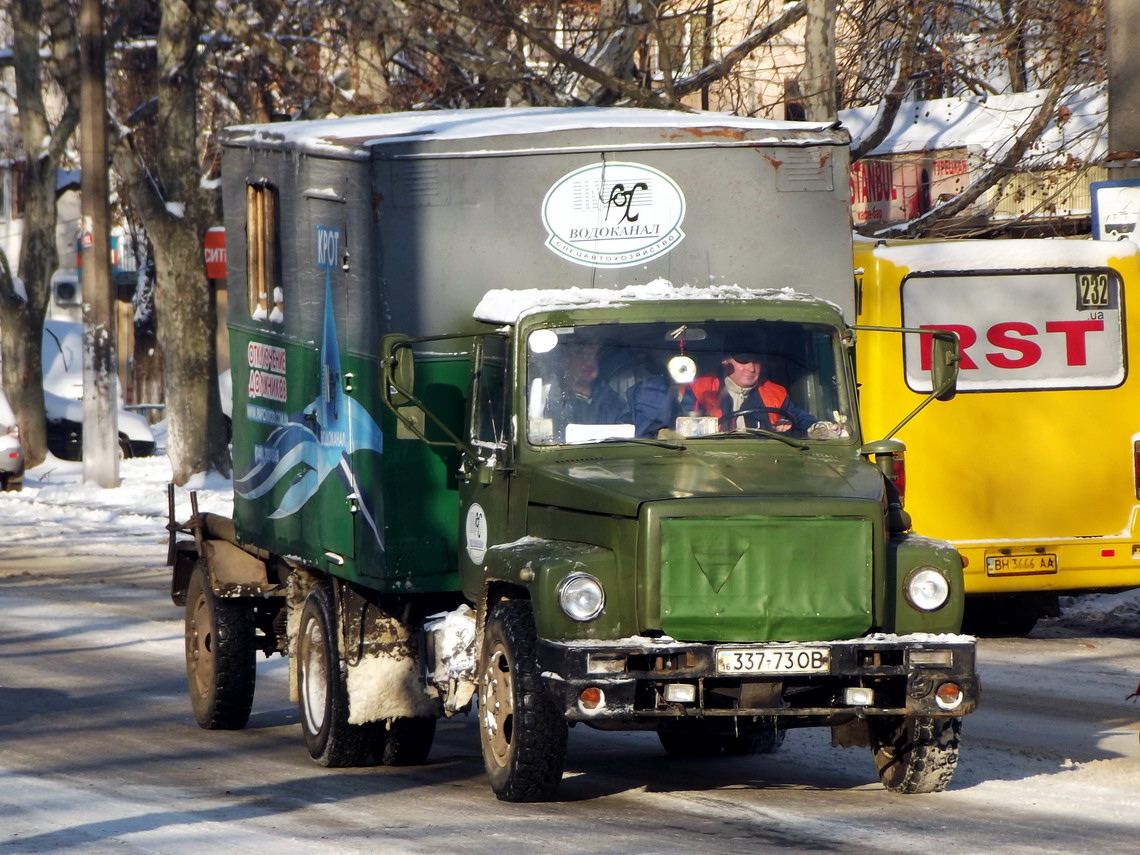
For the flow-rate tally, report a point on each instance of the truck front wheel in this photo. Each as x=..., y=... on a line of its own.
x=521, y=731
x=221, y=642
x=915, y=754
x=322, y=690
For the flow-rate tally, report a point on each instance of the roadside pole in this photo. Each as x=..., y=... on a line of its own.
x=1122, y=24
x=100, y=422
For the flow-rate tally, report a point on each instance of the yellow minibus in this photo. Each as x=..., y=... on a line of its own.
x=1033, y=470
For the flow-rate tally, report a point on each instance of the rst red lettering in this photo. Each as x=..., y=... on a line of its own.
x=1000, y=335
x=1074, y=332
x=966, y=337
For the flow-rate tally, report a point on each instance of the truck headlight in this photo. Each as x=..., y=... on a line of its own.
x=927, y=589
x=581, y=597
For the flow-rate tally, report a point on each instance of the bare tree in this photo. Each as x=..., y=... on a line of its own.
x=1071, y=21
x=909, y=21
x=160, y=161
x=45, y=54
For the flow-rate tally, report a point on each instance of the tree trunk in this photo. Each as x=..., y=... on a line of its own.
x=195, y=428
x=22, y=314
x=818, y=79
x=175, y=211
x=22, y=320
x=21, y=328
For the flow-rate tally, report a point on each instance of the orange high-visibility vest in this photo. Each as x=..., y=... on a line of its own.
x=709, y=392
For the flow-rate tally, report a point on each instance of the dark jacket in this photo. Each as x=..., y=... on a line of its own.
x=655, y=405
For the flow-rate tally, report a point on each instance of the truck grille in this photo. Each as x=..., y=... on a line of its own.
x=766, y=578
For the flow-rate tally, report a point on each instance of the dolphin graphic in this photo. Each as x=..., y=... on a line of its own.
x=321, y=439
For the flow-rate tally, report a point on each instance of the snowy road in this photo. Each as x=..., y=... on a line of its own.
x=99, y=752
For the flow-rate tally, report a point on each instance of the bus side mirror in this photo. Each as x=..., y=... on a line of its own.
x=398, y=370
x=945, y=356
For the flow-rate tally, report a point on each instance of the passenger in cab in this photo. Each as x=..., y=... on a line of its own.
x=579, y=396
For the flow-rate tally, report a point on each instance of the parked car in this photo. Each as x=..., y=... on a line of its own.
x=62, y=355
x=11, y=452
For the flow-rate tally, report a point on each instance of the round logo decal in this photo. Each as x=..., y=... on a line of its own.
x=476, y=534
x=613, y=214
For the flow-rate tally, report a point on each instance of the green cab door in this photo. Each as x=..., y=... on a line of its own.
x=484, y=482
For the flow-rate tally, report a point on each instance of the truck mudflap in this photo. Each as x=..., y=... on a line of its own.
x=643, y=679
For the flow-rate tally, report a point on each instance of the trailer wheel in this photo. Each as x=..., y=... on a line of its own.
x=521, y=730
x=915, y=754
x=322, y=690
x=221, y=645
x=403, y=741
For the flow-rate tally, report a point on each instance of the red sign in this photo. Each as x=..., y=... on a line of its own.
x=215, y=249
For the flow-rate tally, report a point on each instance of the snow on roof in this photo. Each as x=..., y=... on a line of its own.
x=504, y=306
x=992, y=123
x=1020, y=254
x=400, y=128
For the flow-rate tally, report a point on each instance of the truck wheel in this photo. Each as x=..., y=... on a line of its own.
x=403, y=741
x=915, y=754
x=765, y=739
x=321, y=688
x=690, y=745
x=521, y=731
x=221, y=645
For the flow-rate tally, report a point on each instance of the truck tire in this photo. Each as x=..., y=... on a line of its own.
x=221, y=647
x=403, y=741
x=322, y=693
x=915, y=754
x=521, y=731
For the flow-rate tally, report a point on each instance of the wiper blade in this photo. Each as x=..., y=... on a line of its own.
x=760, y=432
x=644, y=440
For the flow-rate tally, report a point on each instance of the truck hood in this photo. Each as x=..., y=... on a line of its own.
x=619, y=485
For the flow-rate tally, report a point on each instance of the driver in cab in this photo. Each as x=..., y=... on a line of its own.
x=743, y=398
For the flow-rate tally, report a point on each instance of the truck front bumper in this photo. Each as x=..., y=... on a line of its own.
x=646, y=679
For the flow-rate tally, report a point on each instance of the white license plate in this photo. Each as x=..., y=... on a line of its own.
x=773, y=660
x=1021, y=565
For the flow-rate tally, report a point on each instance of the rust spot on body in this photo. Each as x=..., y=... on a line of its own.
x=735, y=134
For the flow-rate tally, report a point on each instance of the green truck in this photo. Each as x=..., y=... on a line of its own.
x=552, y=413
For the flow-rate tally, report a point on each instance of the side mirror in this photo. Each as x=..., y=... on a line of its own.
x=945, y=355
x=398, y=370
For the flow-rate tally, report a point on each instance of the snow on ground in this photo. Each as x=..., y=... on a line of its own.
x=1107, y=614
x=55, y=492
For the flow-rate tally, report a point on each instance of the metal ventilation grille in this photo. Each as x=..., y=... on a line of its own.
x=800, y=169
x=420, y=184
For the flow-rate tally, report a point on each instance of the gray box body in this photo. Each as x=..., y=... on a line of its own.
x=435, y=209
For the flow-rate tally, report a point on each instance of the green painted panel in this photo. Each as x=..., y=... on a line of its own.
x=421, y=507
x=399, y=533
x=273, y=377
x=766, y=578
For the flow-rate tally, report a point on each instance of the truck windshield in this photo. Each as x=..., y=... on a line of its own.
x=671, y=380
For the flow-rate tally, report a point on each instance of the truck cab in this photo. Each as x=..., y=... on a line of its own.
x=652, y=553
